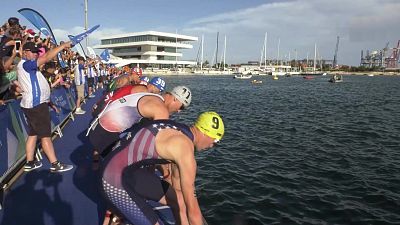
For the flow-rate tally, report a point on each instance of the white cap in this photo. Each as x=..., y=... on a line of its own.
x=183, y=94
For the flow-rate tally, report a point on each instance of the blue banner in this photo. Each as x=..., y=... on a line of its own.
x=60, y=103
x=12, y=135
x=41, y=24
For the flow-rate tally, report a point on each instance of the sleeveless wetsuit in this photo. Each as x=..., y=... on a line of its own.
x=124, y=170
x=117, y=116
x=110, y=97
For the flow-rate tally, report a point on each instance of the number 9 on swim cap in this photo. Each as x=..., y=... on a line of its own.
x=211, y=124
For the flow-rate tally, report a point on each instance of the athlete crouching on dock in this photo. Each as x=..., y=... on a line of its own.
x=127, y=183
x=128, y=110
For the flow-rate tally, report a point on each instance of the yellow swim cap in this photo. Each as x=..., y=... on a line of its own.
x=211, y=124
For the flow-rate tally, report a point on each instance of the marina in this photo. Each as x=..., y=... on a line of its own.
x=295, y=126
x=331, y=155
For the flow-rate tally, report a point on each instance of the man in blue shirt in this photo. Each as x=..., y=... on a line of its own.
x=34, y=103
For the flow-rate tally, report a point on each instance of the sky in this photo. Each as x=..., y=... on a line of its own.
x=298, y=24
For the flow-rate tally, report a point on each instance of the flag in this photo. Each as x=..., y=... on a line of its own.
x=105, y=55
x=79, y=50
x=41, y=24
x=79, y=37
x=91, y=52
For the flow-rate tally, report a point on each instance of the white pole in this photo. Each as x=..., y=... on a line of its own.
x=315, y=56
x=279, y=44
x=265, y=49
x=176, y=48
x=224, y=52
x=202, y=49
x=86, y=22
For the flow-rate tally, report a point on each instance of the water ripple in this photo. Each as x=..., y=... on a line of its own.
x=300, y=152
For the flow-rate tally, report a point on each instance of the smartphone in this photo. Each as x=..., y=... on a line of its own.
x=17, y=45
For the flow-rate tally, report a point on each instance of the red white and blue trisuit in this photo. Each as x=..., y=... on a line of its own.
x=127, y=183
x=118, y=115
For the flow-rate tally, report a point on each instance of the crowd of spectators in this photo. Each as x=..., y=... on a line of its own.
x=30, y=69
x=13, y=36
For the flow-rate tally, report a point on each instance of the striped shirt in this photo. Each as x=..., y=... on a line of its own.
x=34, y=85
x=79, y=74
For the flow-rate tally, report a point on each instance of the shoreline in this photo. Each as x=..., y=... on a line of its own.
x=329, y=73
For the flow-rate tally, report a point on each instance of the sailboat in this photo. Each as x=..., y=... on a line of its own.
x=314, y=72
x=277, y=73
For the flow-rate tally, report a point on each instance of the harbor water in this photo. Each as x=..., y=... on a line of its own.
x=299, y=151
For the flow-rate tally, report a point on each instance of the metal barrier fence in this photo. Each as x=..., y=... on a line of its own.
x=13, y=130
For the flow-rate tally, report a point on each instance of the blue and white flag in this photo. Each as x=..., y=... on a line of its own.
x=38, y=21
x=91, y=53
x=105, y=55
x=79, y=37
x=79, y=50
x=41, y=24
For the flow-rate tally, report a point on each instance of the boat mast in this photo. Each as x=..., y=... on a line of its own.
x=279, y=44
x=202, y=49
x=224, y=51
x=315, y=57
x=216, y=52
x=265, y=50
x=307, y=60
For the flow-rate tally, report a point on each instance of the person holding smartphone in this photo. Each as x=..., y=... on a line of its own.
x=7, y=43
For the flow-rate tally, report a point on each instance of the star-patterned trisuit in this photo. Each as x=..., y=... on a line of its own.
x=127, y=182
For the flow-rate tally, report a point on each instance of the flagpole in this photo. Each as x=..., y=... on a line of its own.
x=86, y=22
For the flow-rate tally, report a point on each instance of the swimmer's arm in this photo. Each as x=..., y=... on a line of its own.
x=187, y=170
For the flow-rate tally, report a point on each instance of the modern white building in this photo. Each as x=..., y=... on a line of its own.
x=148, y=48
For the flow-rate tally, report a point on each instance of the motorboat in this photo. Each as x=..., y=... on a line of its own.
x=242, y=76
x=336, y=78
x=256, y=81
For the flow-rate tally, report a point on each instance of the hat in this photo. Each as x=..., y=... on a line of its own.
x=211, y=124
x=31, y=46
x=183, y=94
x=30, y=32
x=144, y=80
x=158, y=82
x=13, y=21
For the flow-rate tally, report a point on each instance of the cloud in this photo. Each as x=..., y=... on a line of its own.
x=361, y=24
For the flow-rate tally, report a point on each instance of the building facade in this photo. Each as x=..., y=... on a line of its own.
x=149, y=48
